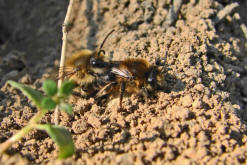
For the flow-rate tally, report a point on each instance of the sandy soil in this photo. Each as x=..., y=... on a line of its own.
x=200, y=118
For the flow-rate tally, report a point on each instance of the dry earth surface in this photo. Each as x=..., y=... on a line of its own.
x=200, y=118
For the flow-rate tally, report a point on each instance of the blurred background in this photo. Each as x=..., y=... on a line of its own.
x=30, y=35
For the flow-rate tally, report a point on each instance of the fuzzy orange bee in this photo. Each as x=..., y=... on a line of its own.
x=133, y=76
x=85, y=67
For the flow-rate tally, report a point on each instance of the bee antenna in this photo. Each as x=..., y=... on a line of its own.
x=102, y=44
x=101, y=51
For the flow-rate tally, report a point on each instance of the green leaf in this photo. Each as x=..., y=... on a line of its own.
x=67, y=88
x=50, y=87
x=48, y=103
x=31, y=93
x=61, y=137
x=66, y=107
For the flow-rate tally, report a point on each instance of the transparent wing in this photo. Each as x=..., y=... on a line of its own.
x=122, y=73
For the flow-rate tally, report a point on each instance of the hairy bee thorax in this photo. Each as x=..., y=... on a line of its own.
x=136, y=66
x=85, y=65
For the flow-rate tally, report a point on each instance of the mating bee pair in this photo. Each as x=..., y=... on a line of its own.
x=97, y=76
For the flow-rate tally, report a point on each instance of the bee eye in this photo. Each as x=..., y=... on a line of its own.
x=97, y=63
x=150, y=79
x=93, y=61
x=157, y=61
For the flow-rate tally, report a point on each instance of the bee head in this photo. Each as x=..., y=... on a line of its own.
x=155, y=76
x=161, y=63
x=96, y=60
x=151, y=79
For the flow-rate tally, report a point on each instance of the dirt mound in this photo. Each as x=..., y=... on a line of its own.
x=199, y=118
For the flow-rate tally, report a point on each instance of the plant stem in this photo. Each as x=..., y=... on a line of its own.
x=37, y=118
x=64, y=45
x=24, y=131
x=4, y=146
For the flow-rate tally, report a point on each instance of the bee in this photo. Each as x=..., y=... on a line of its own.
x=85, y=67
x=133, y=76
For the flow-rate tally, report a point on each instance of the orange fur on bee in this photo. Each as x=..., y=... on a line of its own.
x=132, y=78
x=137, y=67
x=85, y=68
x=78, y=65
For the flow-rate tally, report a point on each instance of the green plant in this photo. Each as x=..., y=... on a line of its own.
x=53, y=97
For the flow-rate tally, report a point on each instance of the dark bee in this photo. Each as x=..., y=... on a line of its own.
x=85, y=67
x=133, y=76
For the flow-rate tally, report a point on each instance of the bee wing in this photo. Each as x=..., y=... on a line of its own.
x=122, y=73
x=105, y=90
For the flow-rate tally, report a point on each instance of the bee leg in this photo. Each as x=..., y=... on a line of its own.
x=122, y=93
x=158, y=86
x=83, y=94
x=74, y=93
x=145, y=93
x=92, y=73
x=77, y=92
